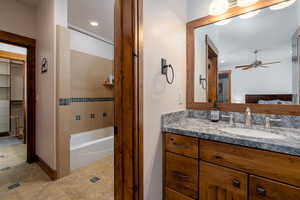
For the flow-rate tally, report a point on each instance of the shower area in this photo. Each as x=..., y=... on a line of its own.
x=92, y=102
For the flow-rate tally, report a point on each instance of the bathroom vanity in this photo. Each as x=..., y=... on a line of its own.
x=202, y=161
x=242, y=64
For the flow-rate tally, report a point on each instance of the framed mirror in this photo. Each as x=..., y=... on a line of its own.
x=247, y=57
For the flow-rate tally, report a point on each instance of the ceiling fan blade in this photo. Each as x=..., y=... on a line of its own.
x=243, y=66
x=246, y=68
x=271, y=63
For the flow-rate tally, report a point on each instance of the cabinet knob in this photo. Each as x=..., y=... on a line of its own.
x=236, y=183
x=261, y=191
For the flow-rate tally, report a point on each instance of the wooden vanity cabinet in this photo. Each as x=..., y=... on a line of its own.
x=197, y=169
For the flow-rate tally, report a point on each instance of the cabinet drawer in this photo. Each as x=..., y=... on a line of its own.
x=218, y=182
x=263, y=189
x=276, y=166
x=182, y=174
x=183, y=145
x=173, y=195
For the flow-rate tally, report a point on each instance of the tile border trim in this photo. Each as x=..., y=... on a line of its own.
x=69, y=101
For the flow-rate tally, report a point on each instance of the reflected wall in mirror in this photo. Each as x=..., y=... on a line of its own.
x=251, y=58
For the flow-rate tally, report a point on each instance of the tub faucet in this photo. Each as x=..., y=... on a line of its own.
x=248, y=118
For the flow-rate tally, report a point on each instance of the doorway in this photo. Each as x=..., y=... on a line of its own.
x=18, y=95
x=212, y=69
x=224, y=86
x=13, y=149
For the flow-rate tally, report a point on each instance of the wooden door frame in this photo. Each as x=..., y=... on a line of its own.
x=128, y=167
x=30, y=45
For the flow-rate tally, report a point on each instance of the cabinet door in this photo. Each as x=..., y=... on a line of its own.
x=220, y=183
x=264, y=189
x=182, y=174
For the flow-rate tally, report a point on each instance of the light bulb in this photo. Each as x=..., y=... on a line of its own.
x=282, y=5
x=223, y=22
x=93, y=23
x=245, y=3
x=250, y=14
x=218, y=7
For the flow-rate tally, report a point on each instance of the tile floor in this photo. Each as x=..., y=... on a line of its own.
x=12, y=155
x=9, y=140
x=81, y=184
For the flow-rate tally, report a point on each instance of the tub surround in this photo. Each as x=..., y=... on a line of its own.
x=195, y=123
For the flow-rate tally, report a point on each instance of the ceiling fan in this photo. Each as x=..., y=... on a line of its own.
x=257, y=63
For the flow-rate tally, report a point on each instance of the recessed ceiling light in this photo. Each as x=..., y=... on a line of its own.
x=250, y=14
x=93, y=23
x=283, y=5
x=245, y=3
x=223, y=22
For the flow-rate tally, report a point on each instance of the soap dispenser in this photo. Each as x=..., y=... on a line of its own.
x=214, y=113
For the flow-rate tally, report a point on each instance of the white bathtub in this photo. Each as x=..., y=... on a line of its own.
x=88, y=147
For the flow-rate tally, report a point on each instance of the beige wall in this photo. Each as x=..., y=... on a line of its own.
x=88, y=74
x=46, y=84
x=17, y=18
x=164, y=36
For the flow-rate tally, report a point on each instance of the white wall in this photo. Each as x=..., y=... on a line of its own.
x=86, y=44
x=197, y=9
x=164, y=37
x=277, y=79
x=17, y=18
x=45, y=84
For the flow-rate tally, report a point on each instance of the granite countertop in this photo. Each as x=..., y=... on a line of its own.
x=205, y=129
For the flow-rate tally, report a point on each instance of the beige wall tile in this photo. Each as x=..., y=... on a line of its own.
x=88, y=74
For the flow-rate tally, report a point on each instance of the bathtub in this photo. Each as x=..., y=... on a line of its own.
x=90, y=146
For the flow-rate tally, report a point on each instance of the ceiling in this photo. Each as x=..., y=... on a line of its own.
x=32, y=3
x=268, y=31
x=82, y=12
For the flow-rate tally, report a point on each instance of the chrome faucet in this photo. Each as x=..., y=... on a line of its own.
x=269, y=120
x=248, y=118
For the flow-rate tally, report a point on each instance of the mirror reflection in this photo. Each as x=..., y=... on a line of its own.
x=241, y=60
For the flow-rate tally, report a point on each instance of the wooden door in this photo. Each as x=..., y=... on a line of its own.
x=264, y=189
x=220, y=183
x=212, y=70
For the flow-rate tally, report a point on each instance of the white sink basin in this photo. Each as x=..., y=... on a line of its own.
x=252, y=133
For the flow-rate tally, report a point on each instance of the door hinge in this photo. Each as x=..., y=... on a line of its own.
x=135, y=188
x=135, y=54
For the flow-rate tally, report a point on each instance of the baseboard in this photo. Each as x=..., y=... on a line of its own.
x=45, y=167
x=4, y=134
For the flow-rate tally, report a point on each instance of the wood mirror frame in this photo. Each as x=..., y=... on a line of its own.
x=257, y=108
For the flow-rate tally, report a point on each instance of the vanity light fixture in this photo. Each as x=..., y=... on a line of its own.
x=223, y=22
x=283, y=5
x=218, y=7
x=94, y=23
x=245, y=3
x=249, y=15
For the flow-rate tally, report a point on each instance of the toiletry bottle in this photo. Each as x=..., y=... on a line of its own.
x=215, y=113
